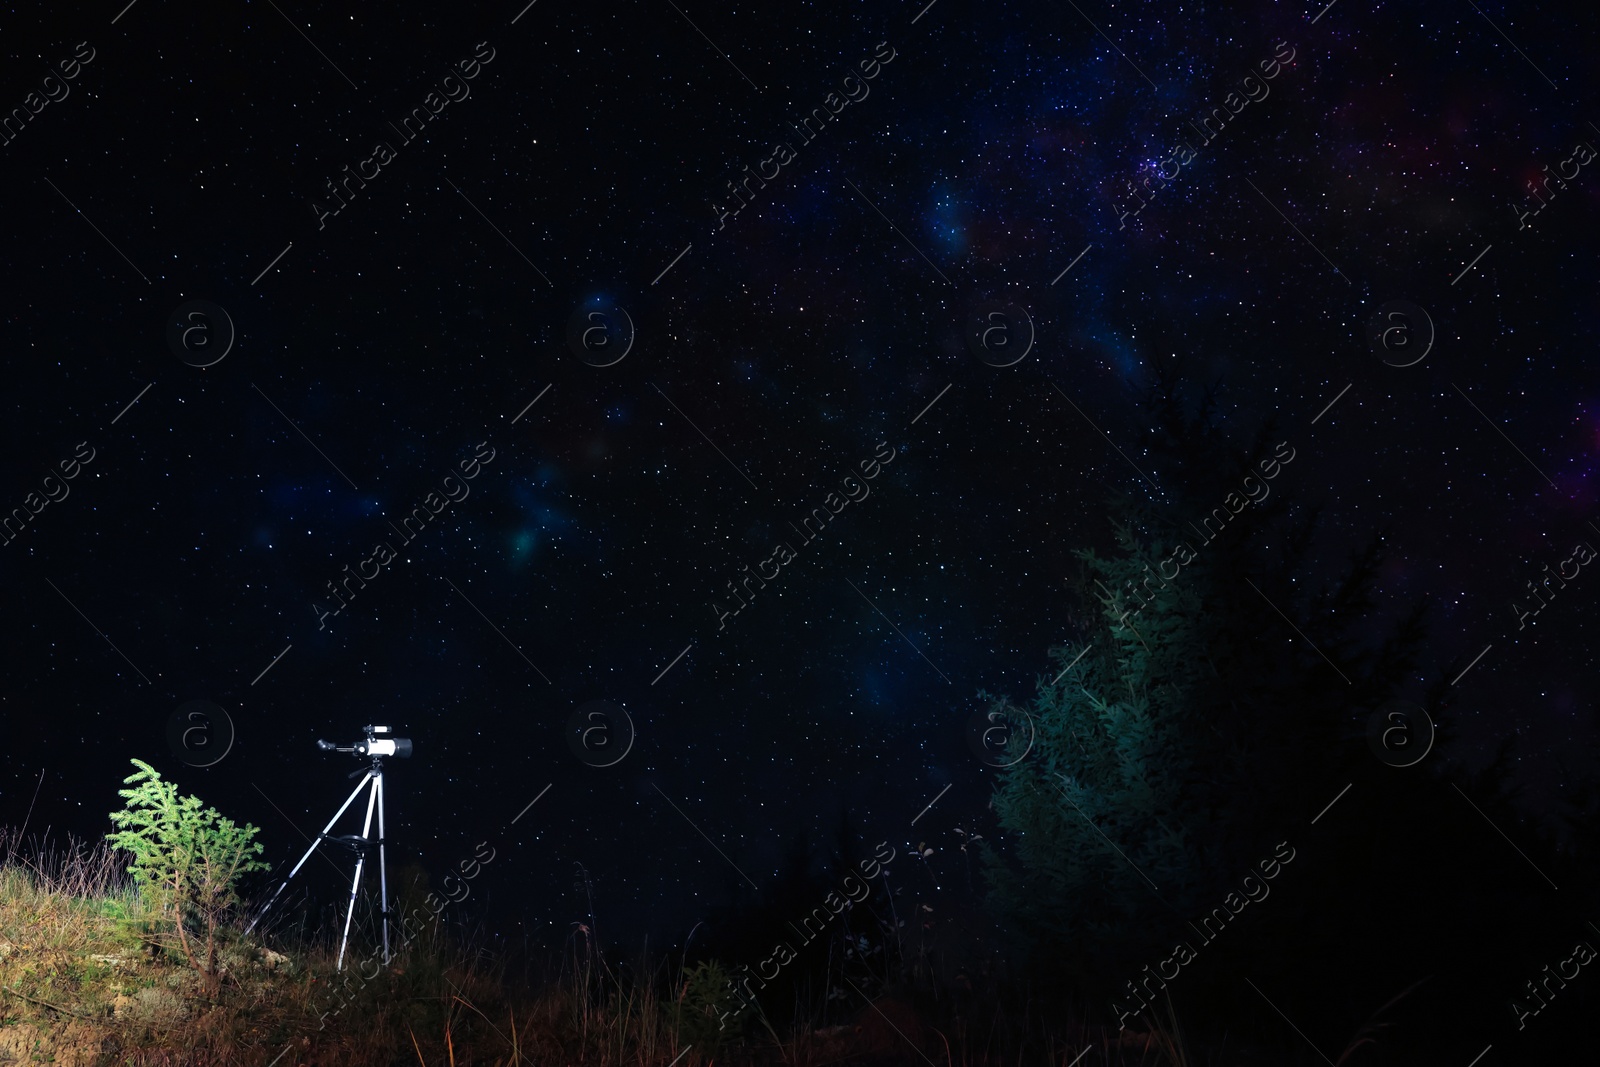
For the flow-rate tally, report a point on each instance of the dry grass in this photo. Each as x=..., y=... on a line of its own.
x=86, y=985
x=83, y=981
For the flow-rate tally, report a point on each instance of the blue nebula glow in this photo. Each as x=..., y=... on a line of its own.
x=1119, y=352
x=523, y=545
x=542, y=516
x=948, y=222
x=878, y=688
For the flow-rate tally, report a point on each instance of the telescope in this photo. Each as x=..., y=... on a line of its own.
x=378, y=745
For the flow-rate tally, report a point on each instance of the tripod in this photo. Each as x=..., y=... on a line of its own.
x=376, y=748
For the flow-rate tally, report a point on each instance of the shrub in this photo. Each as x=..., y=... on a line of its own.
x=697, y=1017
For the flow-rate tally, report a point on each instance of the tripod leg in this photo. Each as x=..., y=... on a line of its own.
x=366, y=831
x=383, y=874
x=315, y=842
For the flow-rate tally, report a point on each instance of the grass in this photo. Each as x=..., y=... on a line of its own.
x=85, y=983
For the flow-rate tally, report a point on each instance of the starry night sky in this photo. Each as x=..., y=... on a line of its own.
x=773, y=351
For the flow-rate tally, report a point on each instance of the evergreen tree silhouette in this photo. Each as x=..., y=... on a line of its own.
x=1208, y=695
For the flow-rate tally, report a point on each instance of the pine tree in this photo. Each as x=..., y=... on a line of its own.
x=186, y=861
x=1097, y=811
x=1196, y=715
